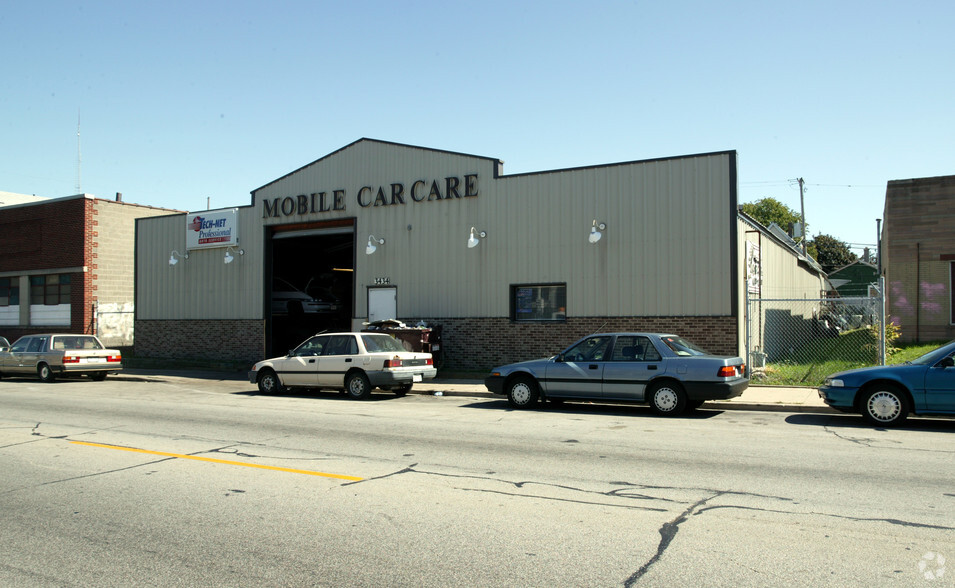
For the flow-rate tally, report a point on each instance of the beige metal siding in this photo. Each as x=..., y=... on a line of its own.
x=203, y=286
x=667, y=249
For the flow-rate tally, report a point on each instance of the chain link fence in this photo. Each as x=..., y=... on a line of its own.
x=798, y=342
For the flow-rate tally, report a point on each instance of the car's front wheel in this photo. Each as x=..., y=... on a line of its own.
x=45, y=373
x=667, y=399
x=885, y=406
x=357, y=385
x=269, y=383
x=523, y=392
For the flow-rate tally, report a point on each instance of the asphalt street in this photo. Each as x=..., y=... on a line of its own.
x=166, y=480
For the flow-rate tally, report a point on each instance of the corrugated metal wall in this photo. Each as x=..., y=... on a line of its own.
x=202, y=286
x=667, y=250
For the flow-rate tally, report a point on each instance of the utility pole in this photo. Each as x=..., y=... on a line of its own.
x=802, y=213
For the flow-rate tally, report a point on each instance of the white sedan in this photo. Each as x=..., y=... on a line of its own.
x=354, y=362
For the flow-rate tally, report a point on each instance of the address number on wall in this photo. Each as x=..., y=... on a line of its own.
x=382, y=281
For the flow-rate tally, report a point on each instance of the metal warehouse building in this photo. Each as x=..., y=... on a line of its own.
x=510, y=266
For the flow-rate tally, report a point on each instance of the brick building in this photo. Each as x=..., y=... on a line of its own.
x=918, y=257
x=67, y=264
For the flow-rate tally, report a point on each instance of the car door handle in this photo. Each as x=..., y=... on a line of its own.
x=651, y=367
x=311, y=361
x=348, y=360
x=592, y=366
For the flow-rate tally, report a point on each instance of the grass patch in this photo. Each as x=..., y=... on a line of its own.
x=810, y=364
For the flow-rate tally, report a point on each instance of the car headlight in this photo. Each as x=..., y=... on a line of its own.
x=834, y=383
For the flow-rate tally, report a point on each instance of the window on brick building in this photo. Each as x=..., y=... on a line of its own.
x=50, y=290
x=9, y=291
x=539, y=302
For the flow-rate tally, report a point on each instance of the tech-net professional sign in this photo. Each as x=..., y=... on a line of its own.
x=212, y=228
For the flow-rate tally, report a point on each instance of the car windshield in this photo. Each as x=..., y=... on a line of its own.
x=681, y=346
x=379, y=343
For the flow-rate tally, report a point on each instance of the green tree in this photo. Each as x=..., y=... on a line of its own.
x=831, y=253
x=770, y=210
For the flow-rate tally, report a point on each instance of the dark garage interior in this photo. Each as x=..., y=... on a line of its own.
x=311, y=285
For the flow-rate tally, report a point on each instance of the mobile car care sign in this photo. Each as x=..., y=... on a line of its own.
x=212, y=228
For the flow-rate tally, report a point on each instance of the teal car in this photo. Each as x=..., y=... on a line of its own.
x=886, y=395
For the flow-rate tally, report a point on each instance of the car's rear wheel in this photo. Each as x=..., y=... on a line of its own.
x=885, y=406
x=357, y=385
x=403, y=390
x=269, y=383
x=667, y=399
x=45, y=374
x=523, y=392
x=98, y=376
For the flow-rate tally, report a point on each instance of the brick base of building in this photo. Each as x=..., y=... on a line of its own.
x=228, y=340
x=478, y=344
x=468, y=344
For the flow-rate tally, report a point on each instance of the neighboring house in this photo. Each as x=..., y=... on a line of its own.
x=918, y=257
x=785, y=291
x=854, y=279
x=67, y=264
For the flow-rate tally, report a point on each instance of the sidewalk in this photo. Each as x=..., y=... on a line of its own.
x=766, y=398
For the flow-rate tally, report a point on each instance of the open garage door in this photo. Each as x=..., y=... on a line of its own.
x=311, y=282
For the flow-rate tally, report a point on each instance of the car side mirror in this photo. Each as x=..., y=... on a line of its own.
x=559, y=358
x=946, y=362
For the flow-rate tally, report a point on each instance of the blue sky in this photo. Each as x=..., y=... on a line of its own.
x=184, y=103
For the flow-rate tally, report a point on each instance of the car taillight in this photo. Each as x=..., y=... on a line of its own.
x=70, y=359
x=727, y=371
x=429, y=361
x=115, y=358
x=393, y=363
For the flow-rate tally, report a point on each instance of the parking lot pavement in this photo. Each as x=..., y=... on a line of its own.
x=768, y=398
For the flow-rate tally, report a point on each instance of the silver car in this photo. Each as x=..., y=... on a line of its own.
x=54, y=354
x=354, y=362
x=665, y=371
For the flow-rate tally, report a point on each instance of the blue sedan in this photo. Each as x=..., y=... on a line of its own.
x=885, y=395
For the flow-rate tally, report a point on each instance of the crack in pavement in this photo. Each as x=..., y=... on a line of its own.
x=667, y=532
x=898, y=522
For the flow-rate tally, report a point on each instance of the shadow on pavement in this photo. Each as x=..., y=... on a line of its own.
x=593, y=408
x=314, y=394
x=852, y=421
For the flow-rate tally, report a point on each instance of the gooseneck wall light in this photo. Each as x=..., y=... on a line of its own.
x=371, y=247
x=173, y=257
x=228, y=253
x=595, y=234
x=475, y=238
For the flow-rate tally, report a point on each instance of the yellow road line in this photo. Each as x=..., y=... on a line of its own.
x=213, y=460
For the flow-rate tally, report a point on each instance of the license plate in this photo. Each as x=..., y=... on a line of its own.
x=416, y=378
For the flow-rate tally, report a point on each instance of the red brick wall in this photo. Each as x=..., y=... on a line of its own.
x=50, y=236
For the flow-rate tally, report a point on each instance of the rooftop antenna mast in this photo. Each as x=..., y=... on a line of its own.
x=79, y=156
